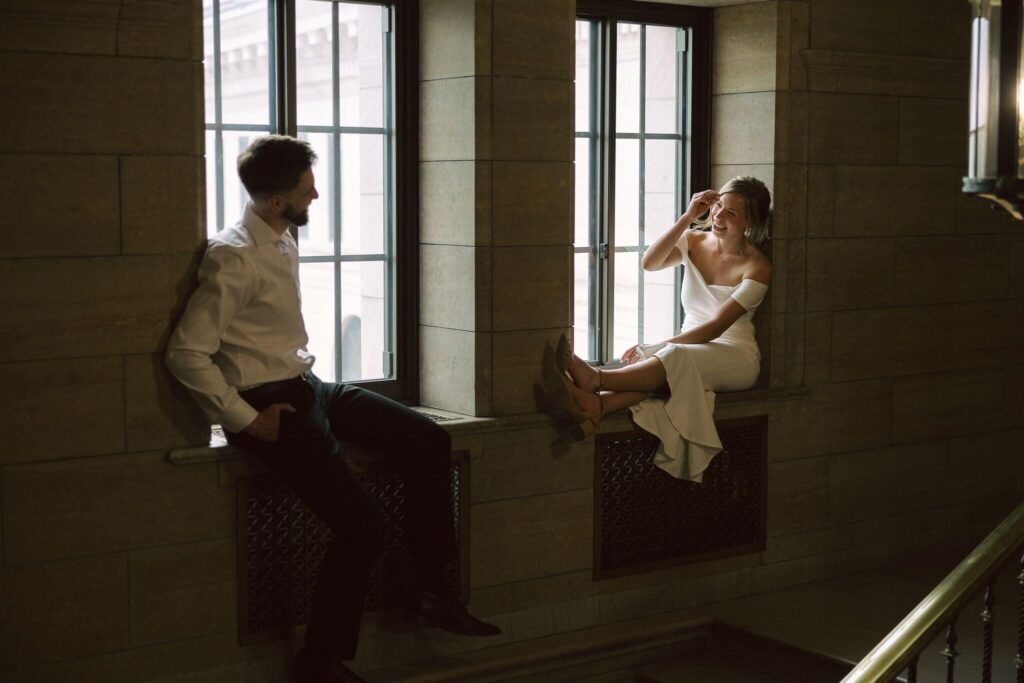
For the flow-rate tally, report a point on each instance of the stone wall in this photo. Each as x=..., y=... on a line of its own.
x=895, y=320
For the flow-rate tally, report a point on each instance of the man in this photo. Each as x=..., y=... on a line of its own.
x=240, y=348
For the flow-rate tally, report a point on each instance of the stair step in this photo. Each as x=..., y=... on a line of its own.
x=706, y=667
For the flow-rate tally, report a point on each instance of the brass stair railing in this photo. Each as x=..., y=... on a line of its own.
x=939, y=610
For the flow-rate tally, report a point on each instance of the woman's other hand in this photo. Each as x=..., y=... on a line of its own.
x=632, y=355
x=701, y=203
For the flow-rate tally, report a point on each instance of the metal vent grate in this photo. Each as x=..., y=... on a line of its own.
x=646, y=519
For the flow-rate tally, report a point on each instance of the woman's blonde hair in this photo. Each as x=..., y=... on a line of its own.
x=759, y=206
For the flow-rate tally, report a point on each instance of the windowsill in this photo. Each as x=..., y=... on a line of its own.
x=219, y=450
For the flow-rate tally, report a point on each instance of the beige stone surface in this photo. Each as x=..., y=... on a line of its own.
x=454, y=124
x=872, y=200
x=1016, y=278
x=517, y=366
x=100, y=105
x=744, y=128
x=534, y=38
x=821, y=198
x=159, y=411
x=818, y=345
x=946, y=269
x=798, y=495
x=977, y=216
x=183, y=591
x=529, y=462
x=933, y=131
x=520, y=595
x=852, y=129
x=88, y=306
x=866, y=26
x=794, y=30
x=986, y=467
x=532, y=119
x=69, y=26
x=135, y=500
x=172, y=30
x=162, y=207
x=61, y=408
x=533, y=203
x=532, y=287
x=455, y=38
x=455, y=370
x=455, y=284
x=937, y=406
x=885, y=74
x=849, y=273
x=531, y=537
x=744, y=49
x=67, y=205
x=886, y=482
x=56, y=610
x=455, y=202
x=934, y=28
x=722, y=173
x=833, y=418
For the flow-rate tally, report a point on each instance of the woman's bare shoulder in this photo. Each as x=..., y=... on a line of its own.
x=759, y=267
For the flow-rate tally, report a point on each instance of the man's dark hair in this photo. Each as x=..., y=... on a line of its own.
x=273, y=164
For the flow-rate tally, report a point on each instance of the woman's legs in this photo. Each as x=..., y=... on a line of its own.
x=620, y=388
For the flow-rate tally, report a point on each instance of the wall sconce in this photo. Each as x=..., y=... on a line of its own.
x=995, y=164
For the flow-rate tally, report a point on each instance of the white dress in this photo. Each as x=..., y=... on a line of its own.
x=684, y=422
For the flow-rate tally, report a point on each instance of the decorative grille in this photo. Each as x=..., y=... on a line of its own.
x=646, y=519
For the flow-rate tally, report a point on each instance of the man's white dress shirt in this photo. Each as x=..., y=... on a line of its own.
x=243, y=325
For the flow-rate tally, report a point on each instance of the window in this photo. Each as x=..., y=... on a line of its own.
x=341, y=76
x=642, y=103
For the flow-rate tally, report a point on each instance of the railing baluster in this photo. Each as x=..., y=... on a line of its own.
x=912, y=671
x=1019, y=661
x=950, y=651
x=986, y=620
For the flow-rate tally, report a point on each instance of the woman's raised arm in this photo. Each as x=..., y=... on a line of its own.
x=663, y=253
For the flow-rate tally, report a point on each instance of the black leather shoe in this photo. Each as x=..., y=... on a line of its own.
x=311, y=670
x=445, y=612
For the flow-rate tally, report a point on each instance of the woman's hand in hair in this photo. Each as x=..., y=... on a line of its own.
x=701, y=203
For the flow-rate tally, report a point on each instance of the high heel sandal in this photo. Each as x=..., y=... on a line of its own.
x=563, y=359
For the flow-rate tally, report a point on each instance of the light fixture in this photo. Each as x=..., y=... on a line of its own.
x=995, y=164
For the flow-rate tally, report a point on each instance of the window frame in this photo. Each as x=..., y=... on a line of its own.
x=402, y=149
x=696, y=142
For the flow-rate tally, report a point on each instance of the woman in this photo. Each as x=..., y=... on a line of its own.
x=725, y=278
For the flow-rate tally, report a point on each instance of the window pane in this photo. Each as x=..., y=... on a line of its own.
x=661, y=80
x=209, y=76
x=314, y=57
x=627, y=79
x=319, y=311
x=660, y=302
x=581, y=307
x=627, y=193
x=361, y=48
x=316, y=238
x=661, y=186
x=235, y=196
x=244, y=62
x=627, y=267
x=585, y=35
x=362, y=194
x=211, y=183
x=364, y=320
x=583, y=198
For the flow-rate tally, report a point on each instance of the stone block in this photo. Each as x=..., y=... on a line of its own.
x=744, y=52
x=532, y=287
x=795, y=325
x=1015, y=285
x=885, y=74
x=821, y=200
x=527, y=538
x=939, y=406
x=60, y=610
x=62, y=408
x=67, y=205
x=532, y=120
x=866, y=203
x=534, y=38
x=455, y=370
x=455, y=202
x=977, y=216
x=794, y=30
x=517, y=365
x=89, y=306
x=852, y=129
x=455, y=287
x=723, y=173
x=986, y=467
x=798, y=495
x=170, y=30
x=124, y=501
x=868, y=26
x=510, y=597
x=162, y=209
x=933, y=132
x=946, y=269
x=183, y=591
x=530, y=462
x=744, y=126
x=455, y=38
x=101, y=105
x=71, y=27
x=934, y=28
x=849, y=273
x=833, y=418
x=159, y=411
x=886, y=482
x=454, y=120
x=533, y=203
x=818, y=345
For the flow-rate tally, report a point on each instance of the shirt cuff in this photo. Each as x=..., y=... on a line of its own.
x=238, y=416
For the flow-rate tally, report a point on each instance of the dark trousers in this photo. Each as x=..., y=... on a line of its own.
x=308, y=456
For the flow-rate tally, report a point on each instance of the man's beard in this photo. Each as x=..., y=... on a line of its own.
x=294, y=216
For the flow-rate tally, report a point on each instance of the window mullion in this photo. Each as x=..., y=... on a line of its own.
x=390, y=274
x=218, y=118
x=641, y=185
x=606, y=325
x=336, y=185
